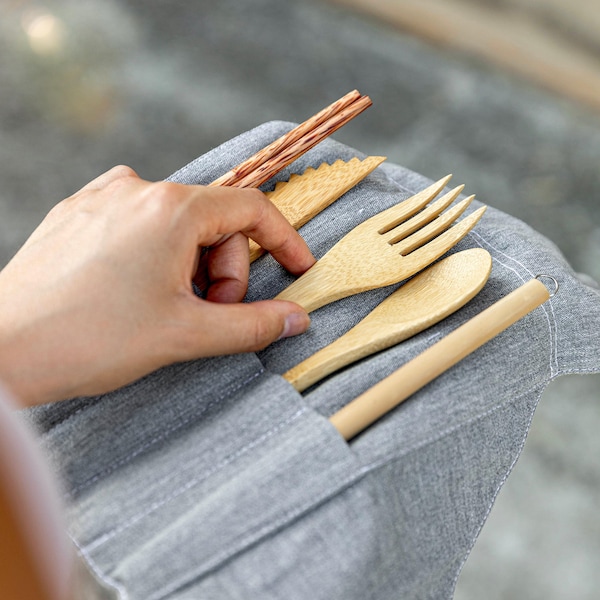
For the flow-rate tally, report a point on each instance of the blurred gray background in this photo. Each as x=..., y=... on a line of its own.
x=87, y=85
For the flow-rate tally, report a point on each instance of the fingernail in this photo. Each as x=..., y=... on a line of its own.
x=295, y=323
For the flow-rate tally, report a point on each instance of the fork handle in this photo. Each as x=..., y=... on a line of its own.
x=315, y=288
x=415, y=374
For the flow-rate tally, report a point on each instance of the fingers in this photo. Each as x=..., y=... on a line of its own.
x=223, y=211
x=105, y=179
x=217, y=329
x=227, y=270
x=217, y=213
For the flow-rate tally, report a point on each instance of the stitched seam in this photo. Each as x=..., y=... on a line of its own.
x=86, y=405
x=436, y=437
x=299, y=511
x=192, y=482
x=121, y=591
x=586, y=371
x=164, y=434
x=382, y=462
x=497, y=491
x=260, y=532
x=552, y=327
x=65, y=418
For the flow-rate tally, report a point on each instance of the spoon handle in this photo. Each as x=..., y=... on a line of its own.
x=352, y=346
x=397, y=387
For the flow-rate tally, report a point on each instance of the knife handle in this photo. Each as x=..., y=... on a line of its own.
x=397, y=387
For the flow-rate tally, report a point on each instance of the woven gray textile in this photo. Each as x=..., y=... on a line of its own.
x=215, y=479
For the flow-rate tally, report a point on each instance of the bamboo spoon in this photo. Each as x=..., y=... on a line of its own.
x=423, y=301
x=415, y=374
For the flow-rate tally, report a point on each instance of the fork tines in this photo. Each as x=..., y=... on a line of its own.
x=279, y=154
x=435, y=222
x=410, y=224
x=386, y=248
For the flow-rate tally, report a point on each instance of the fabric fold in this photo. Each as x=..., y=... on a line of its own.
x=216, y=479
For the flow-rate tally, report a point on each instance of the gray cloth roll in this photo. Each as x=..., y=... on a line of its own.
x=215, y=479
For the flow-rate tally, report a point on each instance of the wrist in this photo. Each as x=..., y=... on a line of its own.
x=28, y=367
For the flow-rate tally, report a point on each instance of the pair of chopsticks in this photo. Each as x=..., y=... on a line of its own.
x=279, y=154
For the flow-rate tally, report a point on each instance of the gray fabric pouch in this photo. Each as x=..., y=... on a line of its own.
x=216, y=479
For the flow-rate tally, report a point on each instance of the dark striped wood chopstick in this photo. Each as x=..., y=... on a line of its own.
x=279, y=154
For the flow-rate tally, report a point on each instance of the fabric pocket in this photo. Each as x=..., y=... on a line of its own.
x=175, y=510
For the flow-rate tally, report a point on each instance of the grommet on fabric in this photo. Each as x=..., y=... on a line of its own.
x=545, y=276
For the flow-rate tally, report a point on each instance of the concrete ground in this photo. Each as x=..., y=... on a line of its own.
x=86, y=85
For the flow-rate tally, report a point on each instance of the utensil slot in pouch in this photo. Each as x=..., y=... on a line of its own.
x=207, y=460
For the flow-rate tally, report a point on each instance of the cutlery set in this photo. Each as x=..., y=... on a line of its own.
x=426, y=299
x=399, y=243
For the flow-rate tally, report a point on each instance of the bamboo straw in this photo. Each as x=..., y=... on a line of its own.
x=415, y=374
x=270, y=160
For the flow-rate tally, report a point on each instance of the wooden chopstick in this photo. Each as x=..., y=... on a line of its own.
x=270, y=160
x=412, y=376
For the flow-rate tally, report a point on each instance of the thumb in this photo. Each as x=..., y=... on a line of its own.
x=220, y=328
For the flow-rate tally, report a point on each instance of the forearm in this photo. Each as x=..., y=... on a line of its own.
x=33, y=369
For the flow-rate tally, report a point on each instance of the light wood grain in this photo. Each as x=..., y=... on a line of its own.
x=367, y=257
x=400, y=385
x=304, y=196
x=423, y=301
x=552, y=43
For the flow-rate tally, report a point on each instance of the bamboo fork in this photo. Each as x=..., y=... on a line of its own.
x=426, y=299
x=304, y=196
x=270, y=160
x=385, y=249
x=415, y=374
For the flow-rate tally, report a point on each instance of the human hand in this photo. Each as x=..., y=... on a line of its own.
x=101, y=293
